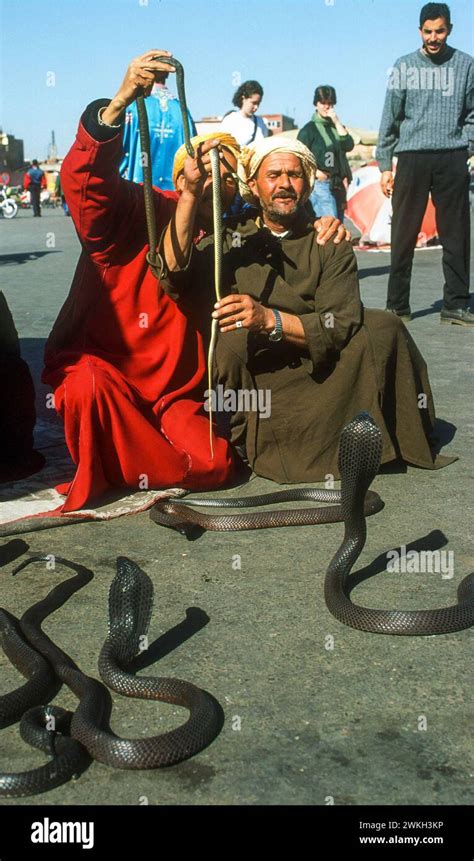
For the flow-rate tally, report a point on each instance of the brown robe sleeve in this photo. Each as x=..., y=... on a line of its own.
x=337, y=314
x=191, y=285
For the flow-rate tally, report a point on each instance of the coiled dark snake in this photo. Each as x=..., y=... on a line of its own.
x=359, y=460
x=37, y=657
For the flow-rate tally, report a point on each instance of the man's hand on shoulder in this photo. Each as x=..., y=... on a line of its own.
x=327, y=227
x=138, y=81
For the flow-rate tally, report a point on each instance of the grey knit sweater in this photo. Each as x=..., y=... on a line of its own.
x=428, y=106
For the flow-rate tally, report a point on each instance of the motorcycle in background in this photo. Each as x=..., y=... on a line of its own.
x=8, y=206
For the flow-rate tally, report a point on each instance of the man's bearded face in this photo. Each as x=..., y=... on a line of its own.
x=280, y=186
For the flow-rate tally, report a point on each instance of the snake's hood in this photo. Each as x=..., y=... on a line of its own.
x=130, y=601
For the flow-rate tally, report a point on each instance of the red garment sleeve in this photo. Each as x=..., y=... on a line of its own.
x=26, y=181
x=107, y=211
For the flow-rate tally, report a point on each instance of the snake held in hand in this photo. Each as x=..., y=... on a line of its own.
x=359, y=460
x=152, y=255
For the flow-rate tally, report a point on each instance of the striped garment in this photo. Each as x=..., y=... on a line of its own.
x=428, y=106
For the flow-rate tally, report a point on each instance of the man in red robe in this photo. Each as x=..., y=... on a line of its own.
x=127, y=365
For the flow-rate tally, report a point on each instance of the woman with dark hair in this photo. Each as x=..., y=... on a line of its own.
x=328, y=140
x=242, y=124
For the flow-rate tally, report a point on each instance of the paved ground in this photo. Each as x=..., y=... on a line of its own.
x=373, y=720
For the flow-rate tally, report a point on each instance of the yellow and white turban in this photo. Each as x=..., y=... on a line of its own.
x=252, y=157
x=224, y=139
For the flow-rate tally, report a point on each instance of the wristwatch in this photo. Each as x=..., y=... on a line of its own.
x=277, y=333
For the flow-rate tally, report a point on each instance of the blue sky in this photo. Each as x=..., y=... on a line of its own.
x=290, y=46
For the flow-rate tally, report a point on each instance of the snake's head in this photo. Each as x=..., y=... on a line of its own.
x=130, y=604
x=360, y=451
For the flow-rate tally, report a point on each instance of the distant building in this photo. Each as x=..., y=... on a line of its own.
x=365, y=140
x=51, y=167
x=11, y=153
x=208, y=125
x=12, y=161
x=275, y=123
x=278, y=123
x=52, y=148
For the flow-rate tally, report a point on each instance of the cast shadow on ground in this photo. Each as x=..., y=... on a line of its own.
x=24, y=257
x=443, y=433
x=12, y=551
x=434, y=540
x=376, y=270
x=195, y=620
x=435, y=308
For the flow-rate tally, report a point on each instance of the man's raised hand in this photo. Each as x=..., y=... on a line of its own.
x=196, y=170
x=138, y=81
x=191, y=182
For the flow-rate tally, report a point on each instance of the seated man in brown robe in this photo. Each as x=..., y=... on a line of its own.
x=292, y=325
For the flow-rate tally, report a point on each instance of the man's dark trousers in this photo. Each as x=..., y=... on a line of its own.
x=35, y=192
x=445, y=174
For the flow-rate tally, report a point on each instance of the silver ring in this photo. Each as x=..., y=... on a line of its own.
x=238, y=324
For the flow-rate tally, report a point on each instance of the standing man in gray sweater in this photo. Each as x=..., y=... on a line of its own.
x=428, y=122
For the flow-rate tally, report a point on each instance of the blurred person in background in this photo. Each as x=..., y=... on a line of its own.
x=329, y=141
x=246, y=128
x=166, y=136
x=33, y=182
x=60, y=196
x=243, y=124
